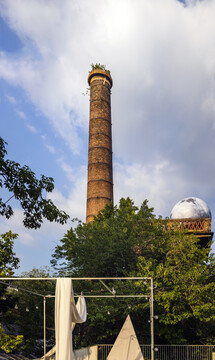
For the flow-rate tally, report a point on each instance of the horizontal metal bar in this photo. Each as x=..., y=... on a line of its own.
x=83, y=279
x=160, y=345
x=114, y=296
x=106, y=296
x=21, y=289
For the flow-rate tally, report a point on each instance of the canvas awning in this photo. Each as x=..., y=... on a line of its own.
x=126, y=346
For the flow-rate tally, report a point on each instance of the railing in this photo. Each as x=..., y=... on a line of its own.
x=103, y=351
x=190, y=224
x=168, y=352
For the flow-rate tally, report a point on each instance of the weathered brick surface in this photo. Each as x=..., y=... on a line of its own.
x=100, y=173
x=100, y=140
x=96, y=153
x=100, y=189
x=102, y=124
x=97, y=204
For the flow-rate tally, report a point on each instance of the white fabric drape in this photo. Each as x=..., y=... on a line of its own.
x=66, y=313
x=79, y=311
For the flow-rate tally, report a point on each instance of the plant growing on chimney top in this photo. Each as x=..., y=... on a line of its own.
x=99, y=67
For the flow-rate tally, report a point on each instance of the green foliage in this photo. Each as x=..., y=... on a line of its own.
x=10, y=343
x=109, y=240
x=184, y=275
x=22, y=183
x=24, y=311
x=8, y=260
x=127, y=241
x=99, y=67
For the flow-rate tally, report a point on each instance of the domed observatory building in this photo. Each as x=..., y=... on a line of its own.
x=194, y=215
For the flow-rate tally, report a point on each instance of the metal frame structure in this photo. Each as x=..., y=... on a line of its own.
x=112, y=291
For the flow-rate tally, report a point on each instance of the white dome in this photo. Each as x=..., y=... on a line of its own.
x=190, y=208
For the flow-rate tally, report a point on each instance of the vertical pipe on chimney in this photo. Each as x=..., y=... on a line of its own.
x=100, y=172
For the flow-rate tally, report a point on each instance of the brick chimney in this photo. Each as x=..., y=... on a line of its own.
x=100, y=172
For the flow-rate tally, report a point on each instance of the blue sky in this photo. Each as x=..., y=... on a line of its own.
x=162, y=59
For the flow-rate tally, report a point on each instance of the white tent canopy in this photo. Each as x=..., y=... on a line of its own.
x=126, y=346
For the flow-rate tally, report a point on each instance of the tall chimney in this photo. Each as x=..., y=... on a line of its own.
x=100, y=172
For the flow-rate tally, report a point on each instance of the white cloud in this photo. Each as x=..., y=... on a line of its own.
x=31, y=128
x=162, y=58
x=15, y=225
x=51, y=149
x=72, y=173
x=68, y=169
x=158, y=183
x=75, y=203
x=11, y=99
x=26, y=239
x=21, y=114
x=161, y=55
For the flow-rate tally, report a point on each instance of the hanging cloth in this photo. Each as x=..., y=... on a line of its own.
x=66, y=313
x=79, y=311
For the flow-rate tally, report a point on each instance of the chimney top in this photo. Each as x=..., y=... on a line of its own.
x=100, y=73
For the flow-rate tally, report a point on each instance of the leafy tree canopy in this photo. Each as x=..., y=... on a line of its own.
x=23, y=314
x=8, y=263
x=127, y=241
x=22, y=183
x=9, y=343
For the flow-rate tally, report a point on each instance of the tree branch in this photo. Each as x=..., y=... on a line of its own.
x=9, y=199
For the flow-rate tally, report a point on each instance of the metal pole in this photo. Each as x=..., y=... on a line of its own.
x=72, y=278
x=152, y=318
x=44, y=325
x=99, y=278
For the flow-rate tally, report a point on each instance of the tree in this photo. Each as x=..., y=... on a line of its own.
x=185, y=277
x=22, y=183
x=127, y=241
x=23, y=314
x=8, y=262
x=111, y=241
x=9, y=343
